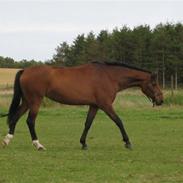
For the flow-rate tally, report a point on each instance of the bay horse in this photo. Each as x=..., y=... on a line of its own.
x=93, y=84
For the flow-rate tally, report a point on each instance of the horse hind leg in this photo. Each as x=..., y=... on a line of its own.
x=21, y=110
x=31, y=124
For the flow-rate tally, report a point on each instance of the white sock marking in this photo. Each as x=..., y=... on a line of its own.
x=7, y=139
x=38, y=145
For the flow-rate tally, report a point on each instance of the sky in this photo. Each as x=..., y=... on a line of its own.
x=32, y=29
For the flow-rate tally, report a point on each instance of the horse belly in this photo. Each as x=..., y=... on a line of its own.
x=71, y=96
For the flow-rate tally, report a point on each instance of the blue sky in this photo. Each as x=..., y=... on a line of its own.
x=33, y=29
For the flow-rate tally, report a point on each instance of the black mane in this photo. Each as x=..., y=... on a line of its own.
x=121, y=65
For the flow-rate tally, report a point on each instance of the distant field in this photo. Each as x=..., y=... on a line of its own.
x=7, y=76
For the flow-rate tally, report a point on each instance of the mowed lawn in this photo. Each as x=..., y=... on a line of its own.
x=156, y=135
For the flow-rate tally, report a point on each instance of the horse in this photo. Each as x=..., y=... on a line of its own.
x=93, y=84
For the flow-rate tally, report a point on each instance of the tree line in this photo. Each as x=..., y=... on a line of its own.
x=7, y=62
x=159, y=49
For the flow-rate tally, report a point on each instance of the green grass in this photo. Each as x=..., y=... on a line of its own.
x=175, y=98
x=156, y=135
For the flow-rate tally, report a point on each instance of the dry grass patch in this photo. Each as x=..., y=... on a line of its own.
x=7, y=76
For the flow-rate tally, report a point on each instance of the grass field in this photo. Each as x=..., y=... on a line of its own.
x=156, y=134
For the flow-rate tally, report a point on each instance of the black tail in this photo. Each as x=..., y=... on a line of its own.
x=16, y=97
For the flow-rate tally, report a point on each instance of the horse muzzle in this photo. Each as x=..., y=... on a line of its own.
x=158, y=103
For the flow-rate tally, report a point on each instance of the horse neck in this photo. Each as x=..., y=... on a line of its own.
x=127, y=78
x=136, y=78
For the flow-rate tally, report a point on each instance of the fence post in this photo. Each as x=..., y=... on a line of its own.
x=172, y=87
x=176, y=79
x=163, y=79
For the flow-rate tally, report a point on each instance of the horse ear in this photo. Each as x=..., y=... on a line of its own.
x=154, y=77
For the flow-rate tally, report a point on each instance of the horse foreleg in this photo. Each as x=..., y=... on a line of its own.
x=111, y=113
x=90, y=117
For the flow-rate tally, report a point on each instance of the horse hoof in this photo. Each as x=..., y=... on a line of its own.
x=3, y=143
x=38, y=146
x=41, y=148
x=84, y=147
x=128, y=146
